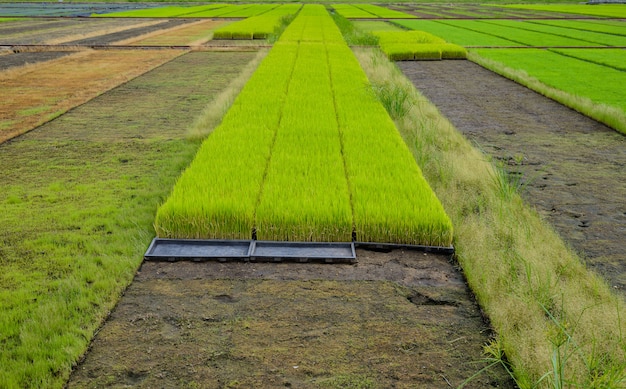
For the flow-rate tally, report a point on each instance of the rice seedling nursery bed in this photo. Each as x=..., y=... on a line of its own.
x=314, y=148
x=79, y=196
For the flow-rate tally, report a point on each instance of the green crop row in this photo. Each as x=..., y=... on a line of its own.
x=603, y=10
x=313, y=24
x=383, y=12
x=257, y=27
x=381, y=170
x=216, y=196
x=520, y=36
x=599, y=83
x=296, y=168
x=612, y=27
x=417, y=45
x=350, y=11
x=235, y=11
x=613, y=58
x=455, y=34
x=305, y=195
x=588, y=37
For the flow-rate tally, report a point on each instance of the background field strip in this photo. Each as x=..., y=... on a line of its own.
x=601, y=84
x=597, y=38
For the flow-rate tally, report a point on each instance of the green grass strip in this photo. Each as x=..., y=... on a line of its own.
x=383, y=12
x=216, y=196
x=615, y=59
x=350, y=11
x=455, y=34
x=305, y=195
x=598, y=38
x=603, y=10
x=606, y=27
x=257, y=27
x=417, y=45
x=524, y=37
x=592, y=89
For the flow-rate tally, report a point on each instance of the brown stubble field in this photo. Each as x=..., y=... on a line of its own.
x=43, y=91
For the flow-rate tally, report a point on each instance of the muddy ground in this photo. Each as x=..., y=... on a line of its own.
x=394, y=320
x=570, y=167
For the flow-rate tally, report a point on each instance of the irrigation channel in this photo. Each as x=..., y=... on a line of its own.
x=570, y=167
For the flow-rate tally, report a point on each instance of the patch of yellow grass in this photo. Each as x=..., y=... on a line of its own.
x=46, y=90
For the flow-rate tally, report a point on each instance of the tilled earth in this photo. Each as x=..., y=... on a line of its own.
x=570, y=167
x=399, y=319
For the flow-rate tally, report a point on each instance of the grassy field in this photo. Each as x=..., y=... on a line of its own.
x=597, y=92
x=615, y=59
x=605, y=10
x=77, y=205
x=456, y=34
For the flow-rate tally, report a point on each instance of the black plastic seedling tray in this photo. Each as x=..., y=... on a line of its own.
x=267, y=251
x=198, y=250
x=393, y=246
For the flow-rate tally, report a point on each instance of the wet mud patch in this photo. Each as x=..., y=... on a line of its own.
x=568, y=166
x=398, y=319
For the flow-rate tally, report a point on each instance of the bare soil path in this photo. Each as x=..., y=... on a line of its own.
x=398, y=319
x=570, y=167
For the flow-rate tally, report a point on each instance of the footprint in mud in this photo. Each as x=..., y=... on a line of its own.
x=225, y=298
